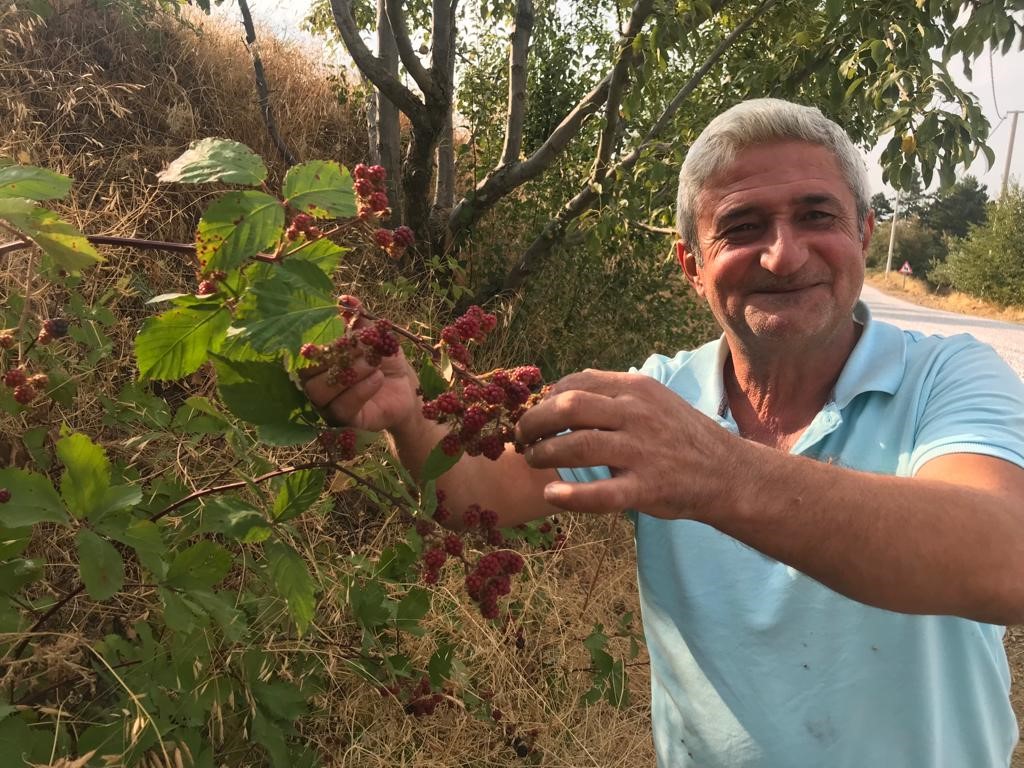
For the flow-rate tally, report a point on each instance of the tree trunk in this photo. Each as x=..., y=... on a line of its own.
x=389, y=137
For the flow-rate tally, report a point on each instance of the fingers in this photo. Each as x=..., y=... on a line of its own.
x=595, y=497
x=581, y=448
x=572, y=409
x=607, y=383
x=319, y=388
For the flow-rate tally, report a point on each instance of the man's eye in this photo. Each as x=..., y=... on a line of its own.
x=819, y=216
x=740, y=230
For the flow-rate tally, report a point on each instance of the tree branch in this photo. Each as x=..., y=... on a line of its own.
x=261, y=86
x=374, y=69
x=555, y=229
x=388, y=139
x=517, y=59
x=612, y=132
x=503, y=179
x=129, y=242
x=412, y=63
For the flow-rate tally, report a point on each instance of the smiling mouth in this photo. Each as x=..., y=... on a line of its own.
x=788, y=289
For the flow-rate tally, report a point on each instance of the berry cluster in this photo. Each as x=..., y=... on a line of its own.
x=25, y=388
x=208, y=283
x=302, y=224
x=372, y=343
x=420, y=698
x=340, y=443
x=54, y=328
x=492, y=578
x=482, y=416
x=474, y=325
x=370, y=194
x=394, y=241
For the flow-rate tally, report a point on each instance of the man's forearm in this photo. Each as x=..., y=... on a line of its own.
x=912, y=545
x=508, y=486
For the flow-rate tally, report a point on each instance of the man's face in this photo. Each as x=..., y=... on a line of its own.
x=783, y=255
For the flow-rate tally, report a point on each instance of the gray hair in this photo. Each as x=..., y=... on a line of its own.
x=759, y=121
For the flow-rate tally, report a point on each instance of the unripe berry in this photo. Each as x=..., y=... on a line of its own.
x=384, y=237
x=471, y=517
x=424, y=527
x=44, y=337
x=39, y=380
x=488, y=518
x=404, y=236
x=206, y=287
x=311, y=351
x=431, y=411
x=378, y=202
x=364, y=187
x=57, y=327
x=360, y=171
x=377, y=174
x=348, y=305
x=314, y=233
x=24, y=394
x=494, y=394
x=5, y=495
x=450, y=444
x=15, y=377
x=7, y=340
x=430, y=576
x=453, y=545
x=459, y=353
x=434, y=558
x=474, y=419
x=448, y=402
x=492, y=446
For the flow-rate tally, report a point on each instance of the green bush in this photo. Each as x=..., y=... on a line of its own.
x=989, y=262
x=915, y=243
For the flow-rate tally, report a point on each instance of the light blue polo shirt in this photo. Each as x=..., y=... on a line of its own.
x=755, y=664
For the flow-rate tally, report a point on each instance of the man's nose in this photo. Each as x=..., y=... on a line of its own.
x=785, y=252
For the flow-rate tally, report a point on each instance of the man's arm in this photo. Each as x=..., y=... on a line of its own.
x=947, y=541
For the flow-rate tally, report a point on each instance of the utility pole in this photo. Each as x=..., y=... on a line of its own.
x=1009, y=151
x=892, y=234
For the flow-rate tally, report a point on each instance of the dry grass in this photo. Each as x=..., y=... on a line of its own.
x=109, y=103
x=917, y=291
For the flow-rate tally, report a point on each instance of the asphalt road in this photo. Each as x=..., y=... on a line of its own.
x=1007, y=338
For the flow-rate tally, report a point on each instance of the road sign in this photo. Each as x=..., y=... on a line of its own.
x=905, y=269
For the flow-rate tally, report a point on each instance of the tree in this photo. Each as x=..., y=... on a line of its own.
x=952, y=212
x=915, y=244
x=869, y=65
x=989, y=262
x=881, y=206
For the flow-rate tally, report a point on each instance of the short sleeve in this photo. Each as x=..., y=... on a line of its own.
x=975, y=405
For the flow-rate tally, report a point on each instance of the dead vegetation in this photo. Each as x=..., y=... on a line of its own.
x=108, y=103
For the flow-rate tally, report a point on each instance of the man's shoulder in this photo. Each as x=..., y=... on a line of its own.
x=698, y=361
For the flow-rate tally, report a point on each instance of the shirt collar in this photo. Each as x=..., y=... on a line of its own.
x=876, y=364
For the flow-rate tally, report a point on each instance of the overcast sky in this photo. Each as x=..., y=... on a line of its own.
x=997, y=92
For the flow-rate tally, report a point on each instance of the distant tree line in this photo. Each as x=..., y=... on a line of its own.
x=956, y=239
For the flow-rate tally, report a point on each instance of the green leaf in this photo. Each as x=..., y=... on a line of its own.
x=176, y=343
x=369, y=604
x=257, y=392
x=64, y=246
x=86, y=479
x=100, y=564
x=324, y=253
x=440, y=666
x=298, y=297
x=236, y=227
x=33, y=500
x=144, y=537
x=299, y=492
x=437, y=463
x=291, y=580
x=412, y=608
x=320, y=188
x=14, y=541
x=271, y=737
x=15, y=574
x=33, y=183
x=431, y=381
x=232, y=517
x=285, y=434
x=214, y=159
x=199, y=416
x=177, y=613
x=230, y=620
x=199, y=567
x=280, y=699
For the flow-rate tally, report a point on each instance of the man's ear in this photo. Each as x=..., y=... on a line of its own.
x=869, y=228
x=688, y=261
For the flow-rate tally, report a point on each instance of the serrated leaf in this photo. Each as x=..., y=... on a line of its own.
x=86, y=479
x=320, y=188
x=177, y=613
x=298, y=492
x=100, y=564
x=176, y=343
x=33, y=500
x=271, y=738
x=369, y=604
x=431, y=381
x=412, y=608
x=230, y=620
x=236, y=227
x=64, y=246
x=144, y=537
x=298, y=297
x=286, y=434
x=324, y=253
x=257, y=392
x=15, y=574
x=281, y=699
x=438, y=462
x=215, y=159
x=440, y=666
x=291, y=580
x=199, y=567
x=33, y=183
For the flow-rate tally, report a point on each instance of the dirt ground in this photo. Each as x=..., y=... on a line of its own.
x=1015, y=652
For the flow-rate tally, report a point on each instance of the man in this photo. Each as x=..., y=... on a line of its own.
x=828, y=511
